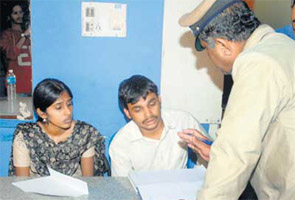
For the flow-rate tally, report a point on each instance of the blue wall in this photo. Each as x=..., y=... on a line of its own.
x=7, y=128
x=92, y=67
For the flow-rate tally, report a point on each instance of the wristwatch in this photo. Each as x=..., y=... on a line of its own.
x=24, y=35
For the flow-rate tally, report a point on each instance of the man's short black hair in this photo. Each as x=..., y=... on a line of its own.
x=135, y=87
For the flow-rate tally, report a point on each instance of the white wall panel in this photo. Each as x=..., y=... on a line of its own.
x=189, y=81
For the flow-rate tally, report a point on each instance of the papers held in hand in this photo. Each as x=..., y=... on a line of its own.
x=56, y=184
x=168, y=184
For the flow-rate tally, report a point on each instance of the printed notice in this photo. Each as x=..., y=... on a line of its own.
x=103, y=19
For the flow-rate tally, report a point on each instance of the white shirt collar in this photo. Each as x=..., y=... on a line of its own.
x=137, y=135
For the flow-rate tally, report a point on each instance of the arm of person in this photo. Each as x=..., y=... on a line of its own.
x=21, y=157
x=253, y=103
x=22, y=171
x=10, y=46
x=120, y=162
x=193, y=139
x=22, y=40
x=87, y=162
x=193, y=135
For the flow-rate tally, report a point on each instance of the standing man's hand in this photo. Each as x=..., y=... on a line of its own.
x=193, y=139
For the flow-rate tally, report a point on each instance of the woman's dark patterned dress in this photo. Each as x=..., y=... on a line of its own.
x=64, y=157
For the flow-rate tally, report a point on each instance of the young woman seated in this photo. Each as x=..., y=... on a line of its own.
x=57, y=141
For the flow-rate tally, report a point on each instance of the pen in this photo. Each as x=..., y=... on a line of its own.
x=208, y=142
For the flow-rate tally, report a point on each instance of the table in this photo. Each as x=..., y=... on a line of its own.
x=102, y=188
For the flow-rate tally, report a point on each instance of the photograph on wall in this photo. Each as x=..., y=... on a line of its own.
x=15, y=59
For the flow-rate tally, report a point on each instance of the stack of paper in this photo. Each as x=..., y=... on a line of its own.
x=168, y=184
x=56, y=184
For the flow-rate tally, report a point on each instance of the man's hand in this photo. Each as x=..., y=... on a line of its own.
x=190, y=136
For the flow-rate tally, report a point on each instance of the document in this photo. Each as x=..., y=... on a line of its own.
x=56, y=184
x=100, y=19
x=168, y=184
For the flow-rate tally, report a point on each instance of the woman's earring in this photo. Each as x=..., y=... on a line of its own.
x=45, y=120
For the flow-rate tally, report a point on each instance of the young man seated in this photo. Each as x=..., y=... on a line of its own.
x=149, y=141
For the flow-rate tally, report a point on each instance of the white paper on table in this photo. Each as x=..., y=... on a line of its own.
x=168, y=184
x=56, y=184
x=170, y=190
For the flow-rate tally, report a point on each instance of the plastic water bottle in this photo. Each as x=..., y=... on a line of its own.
x=11, y=86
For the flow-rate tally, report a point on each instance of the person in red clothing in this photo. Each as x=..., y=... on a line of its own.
x=16, y=46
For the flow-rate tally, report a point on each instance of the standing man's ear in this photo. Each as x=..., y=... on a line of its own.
x=224, y=45
x=127, y=113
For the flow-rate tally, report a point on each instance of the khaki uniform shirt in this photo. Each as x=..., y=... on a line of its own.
x=257, y=137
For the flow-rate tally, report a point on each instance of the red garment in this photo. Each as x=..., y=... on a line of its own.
x=18, y=59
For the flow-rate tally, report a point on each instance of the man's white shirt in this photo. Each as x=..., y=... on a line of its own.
x=131, y=151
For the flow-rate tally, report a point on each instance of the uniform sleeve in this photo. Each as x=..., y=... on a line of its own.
x=253, y=103
x=120, y=162
x=21, y=156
